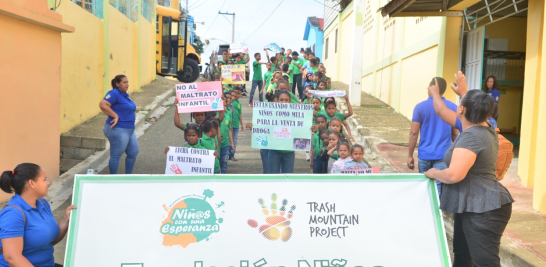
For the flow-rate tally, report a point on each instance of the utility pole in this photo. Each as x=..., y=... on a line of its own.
x=232, y=25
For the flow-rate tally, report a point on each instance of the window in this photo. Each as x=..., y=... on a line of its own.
x=147, y=9
x=128, y=7
x=326, y=49
x=335, y=49
x=93, y=6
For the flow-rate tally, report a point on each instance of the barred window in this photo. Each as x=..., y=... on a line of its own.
x=93, y=6
x=147, y=9
x=128, y=7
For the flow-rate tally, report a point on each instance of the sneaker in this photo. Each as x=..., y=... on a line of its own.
x=250, y=105
x=243, y=94
x=232, y=158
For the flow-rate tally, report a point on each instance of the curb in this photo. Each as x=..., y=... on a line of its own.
x=61, y=189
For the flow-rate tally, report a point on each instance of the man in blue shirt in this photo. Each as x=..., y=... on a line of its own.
x=436, y=135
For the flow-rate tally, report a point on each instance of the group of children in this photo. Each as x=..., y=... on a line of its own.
x=219, y=130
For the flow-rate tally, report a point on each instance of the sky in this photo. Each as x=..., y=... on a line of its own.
x=257, y=22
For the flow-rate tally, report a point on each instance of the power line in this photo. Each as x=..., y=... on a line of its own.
x=227, y=19
x=270, y=14
x=198, y=6
x=214, y=19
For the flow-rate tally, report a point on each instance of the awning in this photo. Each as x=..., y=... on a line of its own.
x=399, y=8
x=473, y=8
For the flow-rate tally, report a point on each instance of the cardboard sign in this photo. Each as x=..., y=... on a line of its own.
x=185, y=160
x=199, y=97
x=273, y=47
x=360, y=171
x=233, y=74
x=238, y=48
x=282, y=126
x=337, y=93
x=249, y=220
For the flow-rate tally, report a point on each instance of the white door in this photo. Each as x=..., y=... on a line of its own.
x=474, y=58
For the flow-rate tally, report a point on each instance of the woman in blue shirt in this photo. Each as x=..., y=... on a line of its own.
x=28, y=230
x=120, y=125
x=491, y=88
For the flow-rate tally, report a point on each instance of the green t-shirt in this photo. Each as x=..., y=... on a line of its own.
x=257, y=69
x=312, y=70
x=198, y=145
x=210, y=144
x=294, y=68
x=237, y=109
x=230, y=86
x=337, y=114
x=268, y=78
x=225, y=62
x=225, y=126
x=317, y=143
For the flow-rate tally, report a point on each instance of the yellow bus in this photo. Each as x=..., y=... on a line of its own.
x=174, y=56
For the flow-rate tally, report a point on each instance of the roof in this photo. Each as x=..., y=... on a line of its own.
x=313, y=22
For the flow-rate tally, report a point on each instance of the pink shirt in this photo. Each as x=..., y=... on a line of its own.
x=339, y=164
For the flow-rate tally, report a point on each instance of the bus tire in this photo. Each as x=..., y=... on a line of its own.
x=190, y=73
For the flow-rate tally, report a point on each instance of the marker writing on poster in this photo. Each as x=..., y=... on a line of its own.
x=324, y=222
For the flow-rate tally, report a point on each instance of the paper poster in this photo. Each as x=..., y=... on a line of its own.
x=337, y=93
x=282, y=126
x=273, y=47
x=185, y=160
x=238, y=48
x=233, y=74
x=360, y=171
x=249, y=220
x=199, y=97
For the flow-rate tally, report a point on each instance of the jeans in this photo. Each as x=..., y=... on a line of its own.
x=255, y=84
x=224, y=154
x=319, y=166
x=425, y=165
x=297, y=81
x=235, y=134
x=264, y=153
x=476, y=237
x=121, y=140
x=281, y=162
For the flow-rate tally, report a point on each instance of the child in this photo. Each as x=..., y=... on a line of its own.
x=357, y=153
x=237, y=118
x=267, y=77
x=320, y=164
x=199, y=117
x=316, y=78
x=328, y=83
x=226, y=143
x=286, y=73
x=331, y=153
x=321, y=86
x=309, y=80
x=316, y=108
x=192, y=133
x=257, y=80
x=209, y=141
x=317, y=145
x=330, y=112
x=288, y=62
x=343, y=150
x=308, y=99
x=322, y=69
x=335, y=125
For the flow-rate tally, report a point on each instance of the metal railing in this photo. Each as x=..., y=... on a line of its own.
x=504, y=65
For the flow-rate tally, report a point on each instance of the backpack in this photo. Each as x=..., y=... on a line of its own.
x=504, y=158
x=24, y=217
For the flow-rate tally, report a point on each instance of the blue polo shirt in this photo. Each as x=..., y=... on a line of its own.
x=495, y=94
x=435, y=133
x=38, y=234
x=123, y=106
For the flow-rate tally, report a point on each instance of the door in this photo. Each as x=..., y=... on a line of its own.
x=474, y=58
x=166, y=48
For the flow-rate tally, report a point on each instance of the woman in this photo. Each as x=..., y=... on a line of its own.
x=120, y=125
x=28, y=229
x=481, y=205
x=491, y=88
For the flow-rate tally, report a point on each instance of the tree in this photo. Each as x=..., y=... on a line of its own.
x=198, y=45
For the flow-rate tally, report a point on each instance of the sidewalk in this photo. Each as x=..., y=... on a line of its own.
x=385, y=134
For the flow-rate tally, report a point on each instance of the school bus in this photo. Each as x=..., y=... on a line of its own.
x=174, y=55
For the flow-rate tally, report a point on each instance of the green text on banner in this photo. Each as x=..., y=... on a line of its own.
x=281, y=126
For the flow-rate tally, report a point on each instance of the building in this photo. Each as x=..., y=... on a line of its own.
x=30, y=71
x=314, y=35
x=394, y=53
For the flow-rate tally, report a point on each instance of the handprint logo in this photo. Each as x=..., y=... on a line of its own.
x=276, y=226
x=261, y=141
x=176, y=169
x=216, y=102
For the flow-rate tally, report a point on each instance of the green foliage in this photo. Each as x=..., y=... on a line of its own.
x=198, y=45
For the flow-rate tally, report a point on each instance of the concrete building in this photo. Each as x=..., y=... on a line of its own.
x=30, y=71
x=393, y=56
x=314, y=35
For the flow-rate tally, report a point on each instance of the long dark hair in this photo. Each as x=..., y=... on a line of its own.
x=15, y=180
x=495, y=83
x=479, y=106
x=117, y=80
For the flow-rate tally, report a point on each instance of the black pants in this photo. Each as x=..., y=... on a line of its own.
x=476, y=237
x=296, y=81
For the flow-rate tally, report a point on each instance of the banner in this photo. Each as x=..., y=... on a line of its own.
x=273, y=47
x=233, y=74
x=337, y=93
x=360, y=171
x=199, y=97
x=238, y=48
x=185, y=160
x=282, y=126
x=389, y=220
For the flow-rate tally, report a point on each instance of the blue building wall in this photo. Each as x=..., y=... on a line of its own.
x=315, y=37
x=191, y=30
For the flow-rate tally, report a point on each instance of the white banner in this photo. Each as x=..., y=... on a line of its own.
x=337, y=93
x=185, y=160
x=249, y=220
x=238, y=48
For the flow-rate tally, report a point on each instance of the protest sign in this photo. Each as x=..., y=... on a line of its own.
x=199, y=97
x=273, y=47
x=360, y=171
x=281, y=126
x=238, y=48
x=337, y=93
x=185, y=160
x=233, y=74
x=246, y=220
